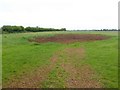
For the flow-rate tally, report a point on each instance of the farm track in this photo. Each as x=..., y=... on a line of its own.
x=78, y=77
x=32, y=79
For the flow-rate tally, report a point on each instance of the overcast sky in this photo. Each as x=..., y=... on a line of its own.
x=70, y=14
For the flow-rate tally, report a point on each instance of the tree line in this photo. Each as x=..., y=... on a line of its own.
x=16, y=29
x=99, y=30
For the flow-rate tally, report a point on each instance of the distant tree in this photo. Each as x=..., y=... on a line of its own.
x=12, y=29
x=63, y=29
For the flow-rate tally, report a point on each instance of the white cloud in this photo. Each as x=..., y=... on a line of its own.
x=72, y=14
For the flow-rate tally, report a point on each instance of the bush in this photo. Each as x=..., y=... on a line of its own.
x=14, y=29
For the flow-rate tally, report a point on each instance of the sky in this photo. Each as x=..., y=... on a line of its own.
x=69, y=14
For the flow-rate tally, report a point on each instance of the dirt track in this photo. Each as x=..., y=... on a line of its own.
x=70, y=38
x=77, y=77
x=32, y=79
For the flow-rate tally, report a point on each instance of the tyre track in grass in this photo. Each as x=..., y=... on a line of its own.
x=34, y=78
x=79, y=77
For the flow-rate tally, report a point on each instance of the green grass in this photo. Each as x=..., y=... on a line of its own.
x=21, y=56
x=56, y=78
x=103, y=56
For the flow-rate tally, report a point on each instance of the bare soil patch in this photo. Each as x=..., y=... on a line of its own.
x=70, y=38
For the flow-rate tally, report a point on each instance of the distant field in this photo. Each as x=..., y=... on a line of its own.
x=58, y=65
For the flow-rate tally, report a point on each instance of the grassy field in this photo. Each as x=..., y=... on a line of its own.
x=21, y=57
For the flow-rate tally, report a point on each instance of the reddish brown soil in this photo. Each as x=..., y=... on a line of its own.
x=69, y=38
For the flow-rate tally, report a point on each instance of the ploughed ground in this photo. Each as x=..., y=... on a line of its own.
x=70, y=38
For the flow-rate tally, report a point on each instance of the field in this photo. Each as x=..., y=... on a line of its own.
x=32, y=63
